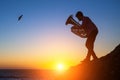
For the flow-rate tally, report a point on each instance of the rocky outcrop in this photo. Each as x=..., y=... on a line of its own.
x=104, y=68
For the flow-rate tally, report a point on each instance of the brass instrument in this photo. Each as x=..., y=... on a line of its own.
x=76, y=29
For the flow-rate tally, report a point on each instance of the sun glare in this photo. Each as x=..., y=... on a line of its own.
x=60, y=67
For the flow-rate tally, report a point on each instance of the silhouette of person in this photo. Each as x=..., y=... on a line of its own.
x=91, y=31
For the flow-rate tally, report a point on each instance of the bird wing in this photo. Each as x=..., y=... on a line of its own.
x=19, y=18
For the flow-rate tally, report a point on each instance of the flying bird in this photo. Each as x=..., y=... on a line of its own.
x=19, y=18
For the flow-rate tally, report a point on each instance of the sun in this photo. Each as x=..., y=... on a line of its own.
x=60, y=67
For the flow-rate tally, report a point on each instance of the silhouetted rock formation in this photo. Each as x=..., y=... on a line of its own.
x=105, y=68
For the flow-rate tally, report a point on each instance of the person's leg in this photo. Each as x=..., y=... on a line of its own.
x=89, y=48
x=90, y=45
x=89, y=52
x=94, y=55
x=88, y=55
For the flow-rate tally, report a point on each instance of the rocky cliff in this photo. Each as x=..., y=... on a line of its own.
x=105, y=68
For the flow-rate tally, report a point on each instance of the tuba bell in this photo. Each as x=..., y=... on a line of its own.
x=76, y=27
x=70, y=20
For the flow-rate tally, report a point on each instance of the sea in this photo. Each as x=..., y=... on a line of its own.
x=26, y=74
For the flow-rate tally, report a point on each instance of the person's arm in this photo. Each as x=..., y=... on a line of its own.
x=84, y=23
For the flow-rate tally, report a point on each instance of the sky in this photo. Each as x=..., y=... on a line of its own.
x=42, y=40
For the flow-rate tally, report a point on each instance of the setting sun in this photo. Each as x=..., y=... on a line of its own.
x=60, y=67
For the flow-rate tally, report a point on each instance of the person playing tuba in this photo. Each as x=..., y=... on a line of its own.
x=87, y=29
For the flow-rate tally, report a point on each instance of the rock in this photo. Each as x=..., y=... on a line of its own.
x=105, y=68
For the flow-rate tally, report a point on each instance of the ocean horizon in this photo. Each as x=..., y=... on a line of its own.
x=26, y=74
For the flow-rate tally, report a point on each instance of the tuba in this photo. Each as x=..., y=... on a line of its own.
x=70, y=20
x=76, y=29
